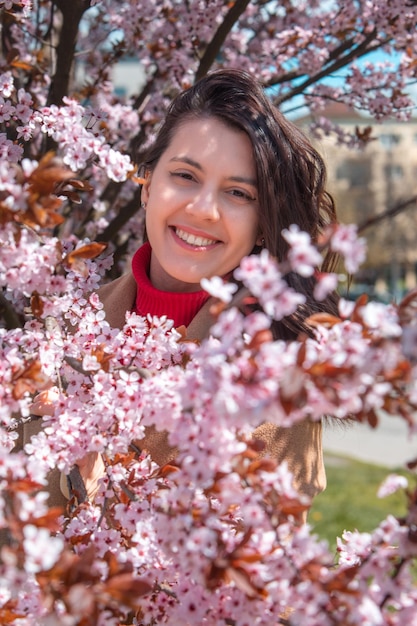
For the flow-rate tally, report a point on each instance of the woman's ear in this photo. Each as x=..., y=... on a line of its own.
x=144, y=196
x=260, y=241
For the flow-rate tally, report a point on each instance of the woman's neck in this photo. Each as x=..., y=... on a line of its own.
x=178, y=306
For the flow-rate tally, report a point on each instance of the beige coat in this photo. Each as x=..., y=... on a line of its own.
x=300, y=445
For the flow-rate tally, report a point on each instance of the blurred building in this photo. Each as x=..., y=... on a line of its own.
x=367, y=182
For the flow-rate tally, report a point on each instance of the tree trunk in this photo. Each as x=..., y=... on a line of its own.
x=72, y=13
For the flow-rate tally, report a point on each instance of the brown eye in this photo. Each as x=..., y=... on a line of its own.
x=182, y=175
x=242, y=195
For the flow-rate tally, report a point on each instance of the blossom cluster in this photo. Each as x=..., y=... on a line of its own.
x=295, y=52
x=214, y=536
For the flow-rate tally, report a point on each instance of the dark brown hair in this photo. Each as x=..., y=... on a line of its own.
x=291, y=174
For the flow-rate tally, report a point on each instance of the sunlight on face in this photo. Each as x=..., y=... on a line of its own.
x=202, y=205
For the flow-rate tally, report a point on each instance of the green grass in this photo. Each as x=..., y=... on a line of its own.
x=350, y=501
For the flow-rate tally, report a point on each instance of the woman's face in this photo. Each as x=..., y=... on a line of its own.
x=201, y=205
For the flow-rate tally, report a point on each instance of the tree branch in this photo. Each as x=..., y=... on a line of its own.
x=220, y=35
x=392, y=212
x=72, y=13
x=8, y=313
x=355, y=53
x=120, y=220
x=76, y=485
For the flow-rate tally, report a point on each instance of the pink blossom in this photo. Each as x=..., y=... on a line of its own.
x=42, y=550
x=326, y=284
x=230, y=554
x=218, y=288
x=353, y=249
x=382, y=319
x=303, y=256
x=353, y=547
x=6, y=83
x=261, y=274
x=391, y=484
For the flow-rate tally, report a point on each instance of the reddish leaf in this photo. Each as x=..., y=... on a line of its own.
x=36, y=304
x=412, y=464
x=71, y=195
x=48, y=174
x=360, y=302
x=22, y=65
x=364, y=135
x=25, y=485
x=401, y=372
x=294, y=507
x=126, y=589
x=262, y=336
x=372, y=419
x=82, y=185
x=243, y=582
x=323, y=319
x=341, y=580
x=30, y=379
x=301, y=354
x=8, y=615
x=89, y=251
x=103, y=357
x=50, y=520
x=167, y=469
x=139, y=180
x=327, y=370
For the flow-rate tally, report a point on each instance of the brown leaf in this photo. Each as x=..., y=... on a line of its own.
x=80, y=267
x=41, y=211
x=401, y=372
x=167, y=469
x=88, y=251
x=81, y=185
x=246, y=557
x=243, y=582
x=372, y=419
x=323, y=319
x=412, y=464
x=36, y=304
x=22, y=65
x=72, y=196
x=301, y=354
x=126, y=589
x=262, y=336
x=50, y=520
x=49, y=173
x=8, y=615
x=294, y=507
x=263, y=464
x=29, y=379
x=364, y=135
x=360, y=302
x=25, y=485
x=341, y=580
x=328, y=370
x=103, y=357
x=139, y=180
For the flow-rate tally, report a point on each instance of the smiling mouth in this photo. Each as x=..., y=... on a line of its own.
x=194, y=240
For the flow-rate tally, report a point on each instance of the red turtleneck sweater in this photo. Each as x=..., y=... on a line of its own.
x=180, y=307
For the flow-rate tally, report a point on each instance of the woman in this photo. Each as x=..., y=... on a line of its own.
x=226, y=174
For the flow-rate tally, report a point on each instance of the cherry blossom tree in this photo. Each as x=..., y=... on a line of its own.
x=214, y=538
x=303, y=52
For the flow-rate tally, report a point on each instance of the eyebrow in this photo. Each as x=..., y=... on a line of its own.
x=236, y=179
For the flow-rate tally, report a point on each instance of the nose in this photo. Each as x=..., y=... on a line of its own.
x=204, y=205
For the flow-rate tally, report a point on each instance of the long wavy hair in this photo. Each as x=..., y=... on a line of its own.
x=291, y=174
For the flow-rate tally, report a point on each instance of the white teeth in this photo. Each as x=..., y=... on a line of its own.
x=193, y=240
